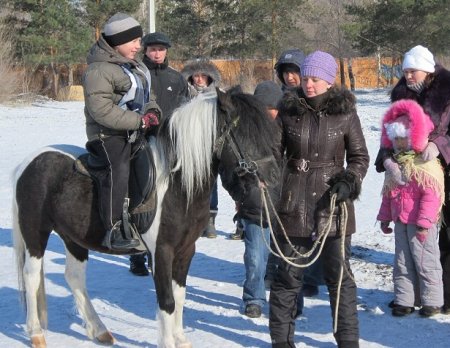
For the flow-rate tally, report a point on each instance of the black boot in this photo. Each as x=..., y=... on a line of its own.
x=137, y=265
x=115, y=239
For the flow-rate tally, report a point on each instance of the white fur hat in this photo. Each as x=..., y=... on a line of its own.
x=396, y=130
x=419, y=58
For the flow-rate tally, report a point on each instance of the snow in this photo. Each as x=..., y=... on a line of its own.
x=213, y=311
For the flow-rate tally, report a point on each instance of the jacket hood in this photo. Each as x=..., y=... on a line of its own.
x=204, y=67
x=291, y=56
x=420, y=124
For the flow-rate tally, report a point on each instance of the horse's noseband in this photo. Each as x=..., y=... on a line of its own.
x=246, y=166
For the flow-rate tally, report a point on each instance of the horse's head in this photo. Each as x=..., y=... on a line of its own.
x=246, y=145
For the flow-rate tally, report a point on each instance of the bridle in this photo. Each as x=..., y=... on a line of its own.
x=245, y=164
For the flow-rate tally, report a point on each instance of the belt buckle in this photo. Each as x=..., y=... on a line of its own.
x=303, y=166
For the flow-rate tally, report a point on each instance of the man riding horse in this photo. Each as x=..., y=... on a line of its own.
x=118, y=108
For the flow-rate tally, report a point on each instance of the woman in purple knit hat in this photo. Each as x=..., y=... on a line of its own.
x=325, y=156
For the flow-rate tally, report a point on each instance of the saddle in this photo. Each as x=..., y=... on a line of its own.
x=141, y=185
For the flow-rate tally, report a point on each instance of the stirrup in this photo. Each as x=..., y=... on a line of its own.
x=114, y=239
x=107, y=240
x=129, y=230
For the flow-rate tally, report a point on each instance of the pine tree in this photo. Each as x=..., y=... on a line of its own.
x=49, y=33
x=394, y=26
x=97, y=12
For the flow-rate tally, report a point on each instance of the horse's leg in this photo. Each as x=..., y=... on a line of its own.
x=29, y=247
x=33, y=278
x=75, y=274
x=181, y=265
x=162, y=276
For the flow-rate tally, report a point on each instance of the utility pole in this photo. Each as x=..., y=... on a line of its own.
x=151, y=16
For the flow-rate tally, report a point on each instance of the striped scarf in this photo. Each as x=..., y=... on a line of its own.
x=138, y=95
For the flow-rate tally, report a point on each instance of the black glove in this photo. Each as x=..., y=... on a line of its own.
x=342, y=190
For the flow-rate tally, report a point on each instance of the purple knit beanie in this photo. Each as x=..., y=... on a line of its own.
x=320, y=64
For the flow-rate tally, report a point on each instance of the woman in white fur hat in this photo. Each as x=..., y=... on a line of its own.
x=428, y=83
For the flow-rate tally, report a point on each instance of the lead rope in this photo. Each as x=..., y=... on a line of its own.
x=320, y=240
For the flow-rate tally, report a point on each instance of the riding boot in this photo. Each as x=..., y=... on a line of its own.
x=121, y=236
x=210, y=231
x=115, y=239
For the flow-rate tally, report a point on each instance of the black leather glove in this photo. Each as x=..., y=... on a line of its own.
x=342, y=190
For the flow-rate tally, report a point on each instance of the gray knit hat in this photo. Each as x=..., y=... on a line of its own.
x=120, y=29
x=268, y=93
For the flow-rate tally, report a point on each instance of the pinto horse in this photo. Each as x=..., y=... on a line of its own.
x=227, y=133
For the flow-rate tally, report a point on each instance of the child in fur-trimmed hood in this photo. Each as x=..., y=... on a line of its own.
x=414, y=205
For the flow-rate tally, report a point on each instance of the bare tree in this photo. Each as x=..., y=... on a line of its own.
x=7, y=74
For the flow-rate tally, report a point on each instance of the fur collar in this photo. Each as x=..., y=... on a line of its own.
x=204, y=67
x=339, y=101
x=434, y=98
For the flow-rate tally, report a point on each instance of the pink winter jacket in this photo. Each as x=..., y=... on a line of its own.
x=411, y=204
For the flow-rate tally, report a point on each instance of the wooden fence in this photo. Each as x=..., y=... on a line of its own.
x=367, y=72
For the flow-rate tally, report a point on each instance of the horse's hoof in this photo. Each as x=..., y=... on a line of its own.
x=38, y=341
x=106, y=338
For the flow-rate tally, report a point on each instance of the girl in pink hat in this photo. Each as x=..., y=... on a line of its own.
x=414, y=206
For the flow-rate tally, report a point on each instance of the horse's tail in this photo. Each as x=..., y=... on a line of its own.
x=20, y=254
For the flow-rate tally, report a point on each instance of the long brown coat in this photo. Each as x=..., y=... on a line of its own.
x=322, y=145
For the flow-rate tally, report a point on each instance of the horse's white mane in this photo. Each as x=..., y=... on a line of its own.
x=192, y=129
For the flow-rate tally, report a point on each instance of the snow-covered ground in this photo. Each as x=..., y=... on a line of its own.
x=213, y=312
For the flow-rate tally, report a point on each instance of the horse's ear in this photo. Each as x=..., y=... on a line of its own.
x=224, y=100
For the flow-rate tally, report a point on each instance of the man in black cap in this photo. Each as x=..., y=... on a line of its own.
x=169, y=86
x=171, y=90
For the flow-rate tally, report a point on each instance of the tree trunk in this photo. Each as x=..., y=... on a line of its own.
x=70, y=82
x=342, y=70
x=351, y=77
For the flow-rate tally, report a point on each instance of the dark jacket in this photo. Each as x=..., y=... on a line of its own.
x=170, y=88
x=435, y=100
x=322, y=145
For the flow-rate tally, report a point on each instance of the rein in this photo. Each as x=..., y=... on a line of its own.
x=320, y=240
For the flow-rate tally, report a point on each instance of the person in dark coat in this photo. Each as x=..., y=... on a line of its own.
x=428, y=83
x=249, y=210
x=170, y=87
x=287, y=68
x=326, y=156
x=288, y=71
x=171, y=90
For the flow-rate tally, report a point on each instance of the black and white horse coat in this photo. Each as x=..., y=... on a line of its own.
x=218, y=132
